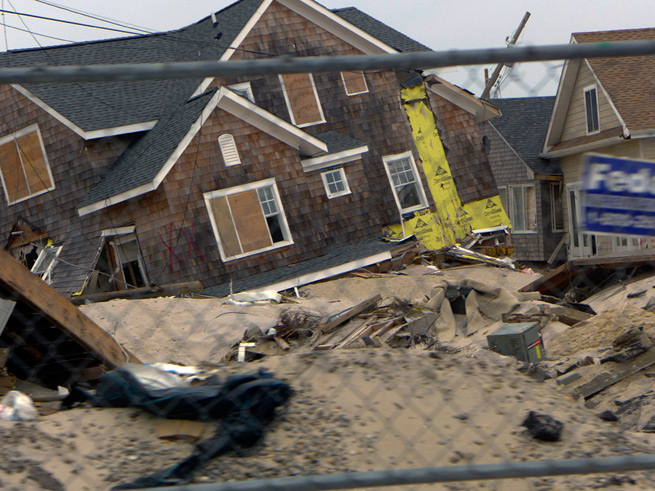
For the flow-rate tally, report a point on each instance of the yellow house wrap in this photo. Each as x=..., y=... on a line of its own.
x=451, y=220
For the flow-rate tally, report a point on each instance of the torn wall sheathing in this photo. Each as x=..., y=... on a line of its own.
x=452, y=219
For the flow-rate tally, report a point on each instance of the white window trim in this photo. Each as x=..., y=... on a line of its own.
x=345, y=85
x=510, y=206
x=552, y=206
x=341, y=172
x=584, y=96
x=318, y=103
x=13, y=137
x=238, y=189
x=224, y=142
x=417, y=176
x=43, y=254
x=245, y=87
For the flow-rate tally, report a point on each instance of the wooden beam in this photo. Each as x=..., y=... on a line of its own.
x=35, y=293
x=169, y=290
x=336, y=320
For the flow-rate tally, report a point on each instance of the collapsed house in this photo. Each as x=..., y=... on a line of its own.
x=116, y=185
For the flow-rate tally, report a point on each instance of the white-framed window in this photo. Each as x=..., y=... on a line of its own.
x=520, y=203
x=46, y=261
x=302, y=99
x=591, y=109
x=335, y=183
x=557, y=206
x=405, y=182
x=229, y=150
x=354, y=82
x=24, y=167
x=248, y=219
x=243, y=89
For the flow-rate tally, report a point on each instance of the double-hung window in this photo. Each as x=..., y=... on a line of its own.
x=591, y=109
x=248, y=219
x=521, y=206
x=405, y=182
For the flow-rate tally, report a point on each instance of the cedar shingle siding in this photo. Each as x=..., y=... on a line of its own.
x=172, y=222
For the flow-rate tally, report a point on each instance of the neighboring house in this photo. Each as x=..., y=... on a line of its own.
x=603, y=105
x=237, y=182
x=530, y=186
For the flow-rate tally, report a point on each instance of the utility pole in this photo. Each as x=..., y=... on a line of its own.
x=496, y=73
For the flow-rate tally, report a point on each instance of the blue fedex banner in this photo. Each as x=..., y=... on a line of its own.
x=618, y=195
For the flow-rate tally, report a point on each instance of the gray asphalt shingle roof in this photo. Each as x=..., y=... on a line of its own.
x=380, y=30
x=147, y=154
x=336, y=257
x=100, y=105
x=524, y=123
x=336, y=142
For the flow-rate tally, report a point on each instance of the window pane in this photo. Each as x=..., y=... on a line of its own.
x=518, y=218
x=404, y=182
x=574, y=219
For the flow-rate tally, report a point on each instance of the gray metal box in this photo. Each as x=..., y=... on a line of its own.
x=521, y=340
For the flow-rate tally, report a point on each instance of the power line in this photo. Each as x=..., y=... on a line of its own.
x=320, y=64
x=32, y=33
x=67, y=22
x=97, y=17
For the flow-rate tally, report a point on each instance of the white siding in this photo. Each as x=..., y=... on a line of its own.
x=575, y=124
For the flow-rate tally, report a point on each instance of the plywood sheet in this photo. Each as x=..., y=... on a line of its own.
x=12, y=172
x=302, y=98
x=226, y=230
x=250, y=221
x=355, y=82
x=34, y=162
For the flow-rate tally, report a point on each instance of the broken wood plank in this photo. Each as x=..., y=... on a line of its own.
x=170, y=290
x=364, y=330
x=620, y=372
x=40, y=296
x=392, y=332
x=337, y=319
x=284, y=346
x=568, y=316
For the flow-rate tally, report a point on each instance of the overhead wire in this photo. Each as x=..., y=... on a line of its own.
x=63, y=21
x=97, y=17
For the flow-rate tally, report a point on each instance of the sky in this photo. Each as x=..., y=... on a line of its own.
x=439, y=24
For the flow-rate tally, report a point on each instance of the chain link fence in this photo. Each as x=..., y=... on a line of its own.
x=379, y=399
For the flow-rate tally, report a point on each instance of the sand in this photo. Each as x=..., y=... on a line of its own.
x=354, y=409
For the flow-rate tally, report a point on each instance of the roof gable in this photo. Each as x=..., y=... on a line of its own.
x=147, y=161
x=127, y=105
x=523, y=125
x=626, y=82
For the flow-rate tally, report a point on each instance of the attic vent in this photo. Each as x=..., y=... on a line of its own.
x=218, y=36
x=229, y=150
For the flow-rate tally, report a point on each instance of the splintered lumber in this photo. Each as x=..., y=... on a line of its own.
x=622, y=371
x=568, y=316
x=169, y=290
x=284, y=346
x=337, y=319
x=29, y=289
x=363, y=330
